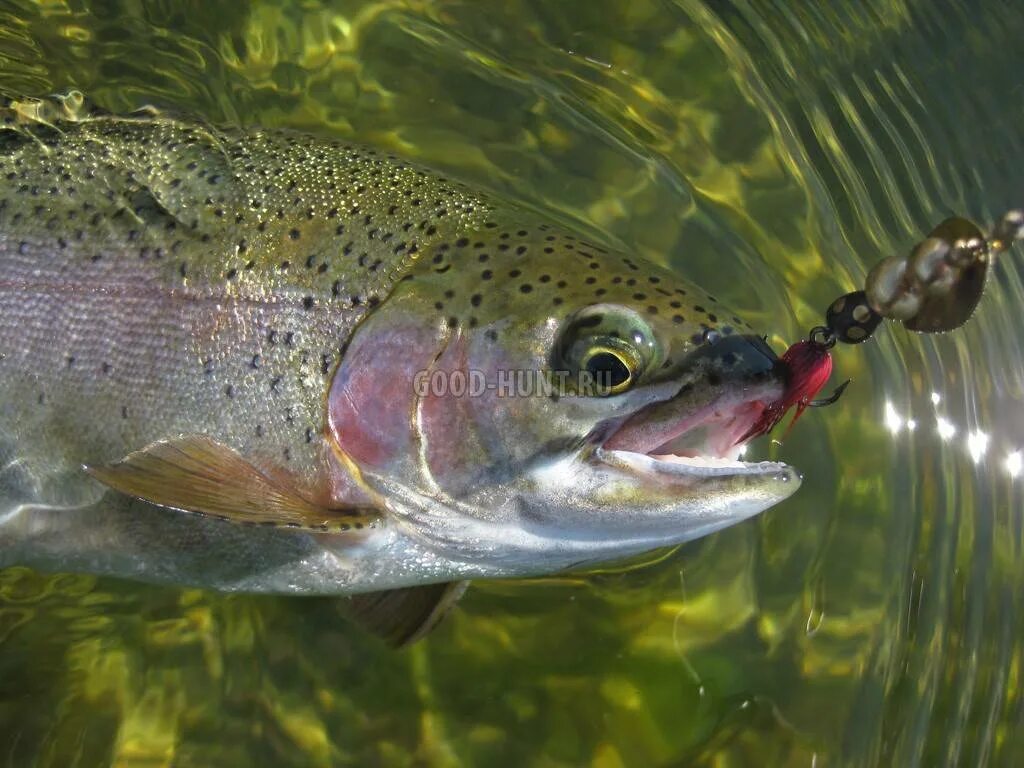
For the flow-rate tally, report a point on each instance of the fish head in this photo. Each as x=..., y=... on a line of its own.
x=552, y=403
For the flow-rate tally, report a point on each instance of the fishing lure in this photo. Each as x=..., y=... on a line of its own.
x=934, y=289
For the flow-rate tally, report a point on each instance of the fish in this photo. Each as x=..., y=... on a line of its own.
x=261, y=361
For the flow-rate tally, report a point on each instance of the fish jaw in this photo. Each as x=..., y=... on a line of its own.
x=637, y=502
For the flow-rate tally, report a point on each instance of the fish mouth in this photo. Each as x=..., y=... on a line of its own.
x=699, y=444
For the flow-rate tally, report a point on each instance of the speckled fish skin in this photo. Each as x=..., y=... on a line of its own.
x=162, y=277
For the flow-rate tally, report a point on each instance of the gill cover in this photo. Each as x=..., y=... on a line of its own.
x=389, y=409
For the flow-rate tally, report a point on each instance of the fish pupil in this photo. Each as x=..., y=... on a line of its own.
x=608, y=369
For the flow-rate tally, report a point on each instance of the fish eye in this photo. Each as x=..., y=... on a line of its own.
x=604, y=349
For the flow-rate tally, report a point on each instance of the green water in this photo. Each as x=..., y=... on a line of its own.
x=772, y=151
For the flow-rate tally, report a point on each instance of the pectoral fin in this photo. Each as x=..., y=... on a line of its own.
x=197, y=474
x=403, y=616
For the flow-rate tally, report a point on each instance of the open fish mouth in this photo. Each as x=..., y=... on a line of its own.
x=701, y=444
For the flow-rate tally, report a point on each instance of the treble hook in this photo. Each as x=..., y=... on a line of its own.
x=821, y=403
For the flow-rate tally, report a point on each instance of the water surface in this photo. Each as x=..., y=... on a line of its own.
x=771, y=151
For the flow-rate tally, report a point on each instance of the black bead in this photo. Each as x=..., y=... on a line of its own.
x=851, y=319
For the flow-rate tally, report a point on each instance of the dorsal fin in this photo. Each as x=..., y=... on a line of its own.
x=197, y=474
x=403, y=616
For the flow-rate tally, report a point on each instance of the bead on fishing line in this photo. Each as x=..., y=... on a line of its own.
x=851, y=319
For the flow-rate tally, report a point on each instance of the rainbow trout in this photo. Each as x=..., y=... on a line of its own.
x=267, y=362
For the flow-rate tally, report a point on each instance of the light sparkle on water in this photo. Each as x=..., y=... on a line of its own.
x=977, y=444
x=945, y=427
x=892, y=419
x=1014, y=463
